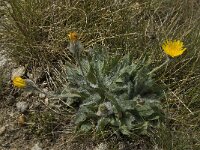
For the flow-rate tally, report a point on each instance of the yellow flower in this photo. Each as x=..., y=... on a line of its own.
x=19, y=82
x=173, y=48
x=73, y=36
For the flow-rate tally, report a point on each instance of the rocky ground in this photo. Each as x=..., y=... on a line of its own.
x=13, y=136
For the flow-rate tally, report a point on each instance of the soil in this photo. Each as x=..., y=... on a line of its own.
x=16, y=136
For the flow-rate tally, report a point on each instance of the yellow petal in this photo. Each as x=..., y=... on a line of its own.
x=173, y=48
x=19, y=82
x=73, y=36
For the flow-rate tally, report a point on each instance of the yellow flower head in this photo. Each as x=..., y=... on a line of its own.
x=73, y=36
x=173, y=48
x=19, y=82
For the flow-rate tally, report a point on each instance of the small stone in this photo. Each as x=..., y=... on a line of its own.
x=12, y=114
x=121, y=146
x=2, y=130
x=42, y=95
x=21, y=120
x=36, y=147
x=27, y=94
x=46, y=101
x=44, y=84
x=18, y=72
x=22, y=106
x=45, y=90
x=36, y=104
x=101, y=146
x=30, y=75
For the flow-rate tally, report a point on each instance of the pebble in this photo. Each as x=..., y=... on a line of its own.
x=21, y=120
x=22, y=106
x=36, y=147
x=42, y=95
x=18, y=72
x=101, y=146
x=2, y=130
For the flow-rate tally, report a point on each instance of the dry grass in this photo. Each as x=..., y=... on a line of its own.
x=35, y=31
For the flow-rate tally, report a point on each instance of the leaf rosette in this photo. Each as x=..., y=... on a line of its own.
x=115, y=93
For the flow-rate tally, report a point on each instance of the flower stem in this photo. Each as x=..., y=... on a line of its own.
x=78, y=58
x=157, y=68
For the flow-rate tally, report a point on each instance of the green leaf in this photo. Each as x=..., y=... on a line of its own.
x=94, y=98
x=70, y=95
x=101, y=124
x=115, y=122
x=127, y=104
x=144, y=128
x=124, y=129
x=83, y=114
x=80, y=117
x=86, y=127
x=129, y=120
x=119, y=80
x=91, y=76
x=111, y=64
x=140, y=79
x=144, y=110
x=85, y=65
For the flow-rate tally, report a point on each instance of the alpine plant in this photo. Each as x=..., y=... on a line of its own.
x=112, y=93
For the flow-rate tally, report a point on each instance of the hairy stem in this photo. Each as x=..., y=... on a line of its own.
x=157, y=68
